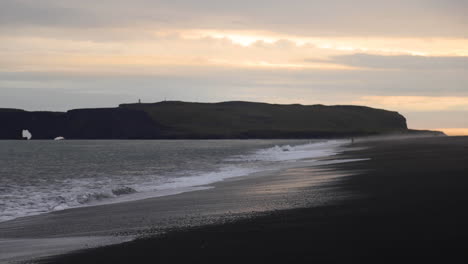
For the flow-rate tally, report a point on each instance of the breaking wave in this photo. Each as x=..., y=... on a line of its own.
x=181, y=177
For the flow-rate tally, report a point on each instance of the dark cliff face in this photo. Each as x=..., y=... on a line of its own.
x=111, y=123
x=260, y=120
x=46, y=124
x=202, y=120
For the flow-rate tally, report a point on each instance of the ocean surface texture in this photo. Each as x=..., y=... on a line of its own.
x=43, y=176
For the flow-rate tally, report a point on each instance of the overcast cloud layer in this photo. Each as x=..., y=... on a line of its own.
x=408, y=56
x=415, y=18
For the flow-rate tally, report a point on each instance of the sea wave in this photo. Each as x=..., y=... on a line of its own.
x=292, y=153
x=91, y=191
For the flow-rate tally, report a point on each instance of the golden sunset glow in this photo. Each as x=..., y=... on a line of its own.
x=395, y=45
x=454, y=131
x=208, y=48
x=417, y=103
x=414, y=60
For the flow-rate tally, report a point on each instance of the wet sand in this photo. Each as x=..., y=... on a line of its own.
x=408, y=204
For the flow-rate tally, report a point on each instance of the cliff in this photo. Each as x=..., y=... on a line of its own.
x=183, y=120
x=104, y=123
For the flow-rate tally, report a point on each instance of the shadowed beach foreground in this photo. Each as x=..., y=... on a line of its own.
x=411, y=206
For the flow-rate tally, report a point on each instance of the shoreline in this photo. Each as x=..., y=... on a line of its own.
x=226, y=201
x=208, y=178
x=410, y=208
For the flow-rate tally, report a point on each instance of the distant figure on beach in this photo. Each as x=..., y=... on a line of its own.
x=352, y=140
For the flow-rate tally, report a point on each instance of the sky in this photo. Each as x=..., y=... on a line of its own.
x=407, y=56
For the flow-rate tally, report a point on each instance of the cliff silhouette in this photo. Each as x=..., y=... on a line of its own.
x=184, y=120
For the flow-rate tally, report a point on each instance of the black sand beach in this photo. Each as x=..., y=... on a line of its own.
x=410, y=205
x=62, y=231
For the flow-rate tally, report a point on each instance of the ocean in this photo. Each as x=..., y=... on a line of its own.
x=37, y=177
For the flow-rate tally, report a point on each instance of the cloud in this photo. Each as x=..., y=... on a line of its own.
x=436, y=119
x=213, y=83
x=416, y=103
x=43, y=13
x=156, y=53
x=402, y=61
x=414, y=18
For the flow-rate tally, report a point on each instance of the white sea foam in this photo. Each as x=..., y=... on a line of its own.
x=293, y=153
x=88, y=191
